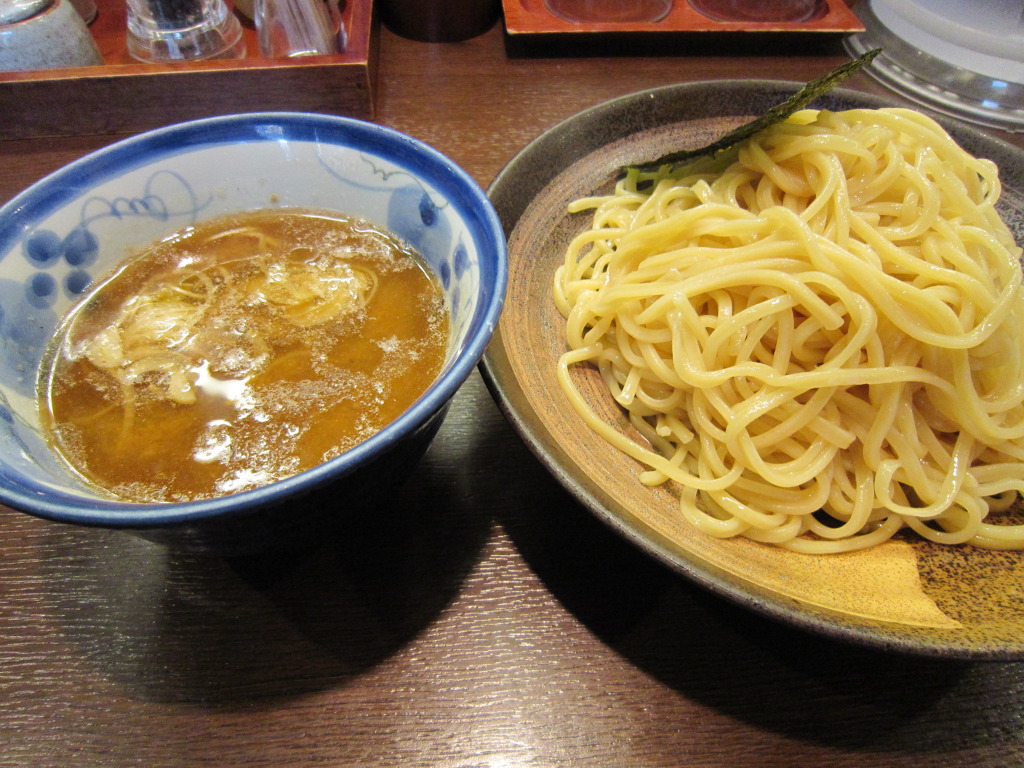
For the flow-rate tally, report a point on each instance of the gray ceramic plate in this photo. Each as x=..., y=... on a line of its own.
x=905, y=595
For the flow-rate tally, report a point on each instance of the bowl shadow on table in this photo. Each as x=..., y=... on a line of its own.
x=751, y=667
x=231, y=633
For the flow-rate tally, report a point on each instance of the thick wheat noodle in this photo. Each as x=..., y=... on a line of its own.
x=822, y=345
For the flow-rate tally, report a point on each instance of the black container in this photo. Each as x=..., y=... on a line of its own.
x=439, y=21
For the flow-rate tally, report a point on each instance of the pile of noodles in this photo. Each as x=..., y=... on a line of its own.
x=821, y=345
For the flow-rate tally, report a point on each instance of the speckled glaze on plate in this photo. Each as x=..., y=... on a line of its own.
x=906, y=595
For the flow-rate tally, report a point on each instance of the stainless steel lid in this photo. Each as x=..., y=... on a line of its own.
x=963, y=59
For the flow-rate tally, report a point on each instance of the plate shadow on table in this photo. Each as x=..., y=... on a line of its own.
x=751, y=667
x=230, y=633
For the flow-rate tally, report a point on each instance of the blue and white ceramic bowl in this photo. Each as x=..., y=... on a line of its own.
x=74, y=226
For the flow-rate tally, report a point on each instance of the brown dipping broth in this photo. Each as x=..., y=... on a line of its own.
x=240, y=352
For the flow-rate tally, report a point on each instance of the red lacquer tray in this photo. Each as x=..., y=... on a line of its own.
x=531, y=17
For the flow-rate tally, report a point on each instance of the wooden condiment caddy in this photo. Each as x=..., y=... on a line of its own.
x=124, y=96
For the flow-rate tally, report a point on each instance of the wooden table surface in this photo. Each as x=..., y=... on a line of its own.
x=481, y=618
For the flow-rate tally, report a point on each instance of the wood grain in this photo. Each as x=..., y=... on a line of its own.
x=477, y=617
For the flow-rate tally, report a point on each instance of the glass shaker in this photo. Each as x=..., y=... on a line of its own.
x=176, y=30
x=291, y=28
